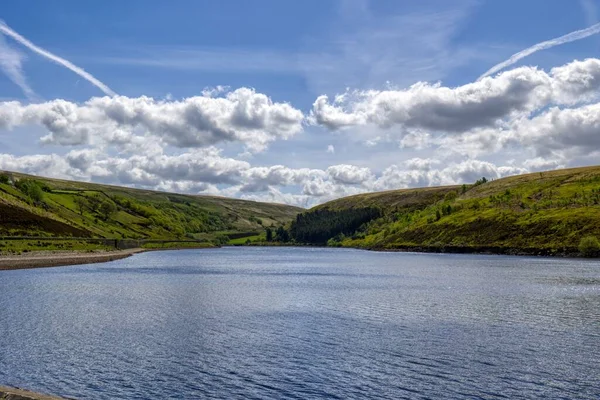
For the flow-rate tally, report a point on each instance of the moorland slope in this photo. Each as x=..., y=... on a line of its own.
x=547, y=213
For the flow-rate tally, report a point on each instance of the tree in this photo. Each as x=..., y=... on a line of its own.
x=4, y=179
x=320, y=225
x=94, y=202
x=589, y=246
x=31, y=188
x=480, y=181
x=81, y=204
x=282, y=235
x=464, y=188
x=107, y=208
x=269, y=234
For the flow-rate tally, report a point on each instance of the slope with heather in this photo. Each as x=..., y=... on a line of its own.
x=540, y=213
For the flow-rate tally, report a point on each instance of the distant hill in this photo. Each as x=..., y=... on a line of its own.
x=539, y=213
x=36, y=206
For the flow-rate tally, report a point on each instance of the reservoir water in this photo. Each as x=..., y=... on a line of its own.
x=296, y=323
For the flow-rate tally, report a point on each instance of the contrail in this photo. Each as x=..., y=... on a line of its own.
x=59, y=60
x=569, y=37
x=10, y=62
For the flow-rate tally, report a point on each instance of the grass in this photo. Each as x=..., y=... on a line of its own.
x=16, y=247
x=74, y=209
x=541, y=213
x=248, y=240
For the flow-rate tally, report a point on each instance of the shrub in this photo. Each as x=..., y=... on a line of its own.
x=221, y=239
x=4, y=179
x=31, y=188
x=589, y=246
x=451, y=195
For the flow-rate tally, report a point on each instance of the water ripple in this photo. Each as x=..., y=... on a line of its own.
x=257, y=323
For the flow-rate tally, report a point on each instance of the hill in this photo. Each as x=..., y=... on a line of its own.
x=44, y=207
x=540, y=213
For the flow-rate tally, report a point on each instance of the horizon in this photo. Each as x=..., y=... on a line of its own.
x=347, y=97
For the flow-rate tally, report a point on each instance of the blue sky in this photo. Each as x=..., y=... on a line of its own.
x=291, y=53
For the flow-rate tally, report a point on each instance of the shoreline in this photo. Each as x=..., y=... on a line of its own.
x=61, y=259
x=11, y=393
x=475, y=250
x=482, y=250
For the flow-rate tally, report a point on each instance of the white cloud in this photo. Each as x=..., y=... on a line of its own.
x=262, y=178
x=441, y=136
x=240, y=116
x=11, y=63
x=572, y=131
x=207, y=171
x=349, y=174
x=438, y=108
x=487, y=103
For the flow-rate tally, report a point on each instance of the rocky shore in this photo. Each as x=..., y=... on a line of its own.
x=7, y=393
x=56, y=259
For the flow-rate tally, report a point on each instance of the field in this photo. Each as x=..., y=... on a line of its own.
x=39, y=207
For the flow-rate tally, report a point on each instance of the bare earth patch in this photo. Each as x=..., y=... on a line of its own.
x=61, y=258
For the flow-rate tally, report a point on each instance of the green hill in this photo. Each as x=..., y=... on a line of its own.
x=44, y=207
x=540, y=213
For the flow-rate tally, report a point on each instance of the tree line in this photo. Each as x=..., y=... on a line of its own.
x=320, y=225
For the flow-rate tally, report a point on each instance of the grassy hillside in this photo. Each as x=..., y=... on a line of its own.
x=540, y=213
x=35, y=206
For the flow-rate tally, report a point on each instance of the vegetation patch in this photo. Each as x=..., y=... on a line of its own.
x=550, y=213
x=38, y=207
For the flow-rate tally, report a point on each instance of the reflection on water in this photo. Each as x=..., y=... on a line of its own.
x=304, y=323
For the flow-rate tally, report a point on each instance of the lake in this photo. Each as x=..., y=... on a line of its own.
x=304, y=323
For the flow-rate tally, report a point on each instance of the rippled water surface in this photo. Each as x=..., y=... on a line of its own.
x=304, y=323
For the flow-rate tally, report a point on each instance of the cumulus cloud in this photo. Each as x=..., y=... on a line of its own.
x=263, y=178
x=240, y=116
x=419, y=173
x=349, y=174
x=482, y=104
x=51, y=165
x=443, y=136
x=572, y=131
x=439, y=108
x=207, y=171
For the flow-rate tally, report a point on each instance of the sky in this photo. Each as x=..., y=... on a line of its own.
x=297, y=102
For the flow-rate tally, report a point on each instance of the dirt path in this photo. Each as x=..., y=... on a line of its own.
x=57, y=259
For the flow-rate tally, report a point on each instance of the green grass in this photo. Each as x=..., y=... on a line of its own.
x=15, y=247
x=248, y=240
x=136, y=214
x=541, y=213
